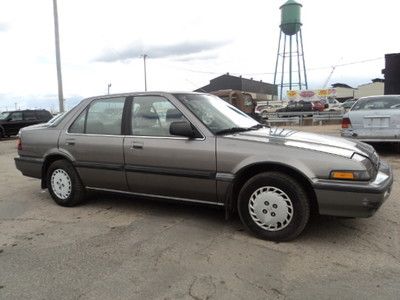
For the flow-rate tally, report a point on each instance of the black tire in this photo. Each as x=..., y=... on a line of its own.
x=300, y=206
x=76, y=193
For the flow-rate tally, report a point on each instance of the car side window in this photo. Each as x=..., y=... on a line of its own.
x=103, y=116
x=152, y=116
x=79, y=124
x=29, y=116
x=16, y=116
x=43, y=115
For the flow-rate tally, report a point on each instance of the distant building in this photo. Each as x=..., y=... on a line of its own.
x=376, y=87
x=259, y=90
x=344, y=91
x=392, y=74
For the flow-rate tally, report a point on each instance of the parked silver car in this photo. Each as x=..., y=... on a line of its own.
x=373, y=119
x=198, y=148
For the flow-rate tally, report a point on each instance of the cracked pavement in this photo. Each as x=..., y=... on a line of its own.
x=115, y=246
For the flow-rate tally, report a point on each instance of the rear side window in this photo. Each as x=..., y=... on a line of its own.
x=377, y=103
x=43, y=115
x=104, y=116
x=79, y=124
x=29, y=116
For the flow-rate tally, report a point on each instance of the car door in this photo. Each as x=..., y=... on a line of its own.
x=158, y=163
x=94, y=139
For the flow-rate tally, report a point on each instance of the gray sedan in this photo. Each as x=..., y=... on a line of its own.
x=373, y=119
x=195, y=147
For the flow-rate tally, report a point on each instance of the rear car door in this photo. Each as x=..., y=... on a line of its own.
x=95, y=141
x=158, y=163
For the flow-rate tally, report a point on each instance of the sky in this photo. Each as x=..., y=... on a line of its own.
x=187, y=43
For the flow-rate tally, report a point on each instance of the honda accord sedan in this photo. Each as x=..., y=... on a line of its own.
x=195, y=147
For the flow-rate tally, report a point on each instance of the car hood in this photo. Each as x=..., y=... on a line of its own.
x=305, y=140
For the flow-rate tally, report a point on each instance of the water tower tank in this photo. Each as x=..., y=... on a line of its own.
x=290, y=17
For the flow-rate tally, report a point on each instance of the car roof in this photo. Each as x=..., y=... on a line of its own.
x=144, y=93
x=381, y=96
x=22, y=110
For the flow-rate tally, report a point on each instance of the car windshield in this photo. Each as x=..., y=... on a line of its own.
x=4, y=115
x=218, y=115
x=377, y=103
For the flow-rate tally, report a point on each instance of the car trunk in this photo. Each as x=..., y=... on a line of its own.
x=377, y=124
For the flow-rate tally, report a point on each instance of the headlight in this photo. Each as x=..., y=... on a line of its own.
x=364, y=175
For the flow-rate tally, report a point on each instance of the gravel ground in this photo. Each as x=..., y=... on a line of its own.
x=130, y=248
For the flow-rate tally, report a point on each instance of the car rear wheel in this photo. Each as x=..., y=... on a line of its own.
x=64, y=184
x=274, y=206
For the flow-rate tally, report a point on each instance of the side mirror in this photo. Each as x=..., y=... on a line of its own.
x=183, y=128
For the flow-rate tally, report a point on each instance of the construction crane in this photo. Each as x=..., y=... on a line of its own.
x=330, y=74
x=329, y=77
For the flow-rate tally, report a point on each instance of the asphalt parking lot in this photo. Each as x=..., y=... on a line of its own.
x=116, y=247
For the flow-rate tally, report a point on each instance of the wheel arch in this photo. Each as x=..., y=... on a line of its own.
x=49, y=159
x=251, y=170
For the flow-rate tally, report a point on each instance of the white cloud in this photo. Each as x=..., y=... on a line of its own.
x=334, y=32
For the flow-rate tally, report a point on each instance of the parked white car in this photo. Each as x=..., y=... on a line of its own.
x=264, y=109
x=373, y=119
x=332, y=105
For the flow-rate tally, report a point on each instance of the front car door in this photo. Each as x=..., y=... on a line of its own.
x=95, y=142
x=160, y=164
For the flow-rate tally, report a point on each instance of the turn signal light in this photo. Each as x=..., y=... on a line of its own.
x=346, y=123
x=343, y=175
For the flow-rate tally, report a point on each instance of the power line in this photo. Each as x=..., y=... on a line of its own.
x=272, y=73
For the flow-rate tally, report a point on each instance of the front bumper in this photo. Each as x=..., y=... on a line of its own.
x=29, y=166
x=354, y=199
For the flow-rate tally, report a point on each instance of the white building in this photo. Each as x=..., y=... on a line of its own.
x=344, y=91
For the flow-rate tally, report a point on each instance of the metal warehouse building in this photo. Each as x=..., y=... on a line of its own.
x=259, y=90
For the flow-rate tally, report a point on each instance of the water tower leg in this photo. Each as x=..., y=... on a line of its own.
x=304, y=61
x=277, y=60
x=298, y=60
x=283, y=65
x=290, y=62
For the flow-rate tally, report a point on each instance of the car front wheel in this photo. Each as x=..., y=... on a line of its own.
x=274, y=206
x=64, y=184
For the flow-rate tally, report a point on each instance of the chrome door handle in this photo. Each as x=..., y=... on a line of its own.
x=137, y=145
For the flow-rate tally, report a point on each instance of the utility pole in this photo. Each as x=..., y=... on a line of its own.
x=145, y=73
x=58, y=58
x=108, y=88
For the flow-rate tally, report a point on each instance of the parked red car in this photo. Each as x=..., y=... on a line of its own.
x=318, y=106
